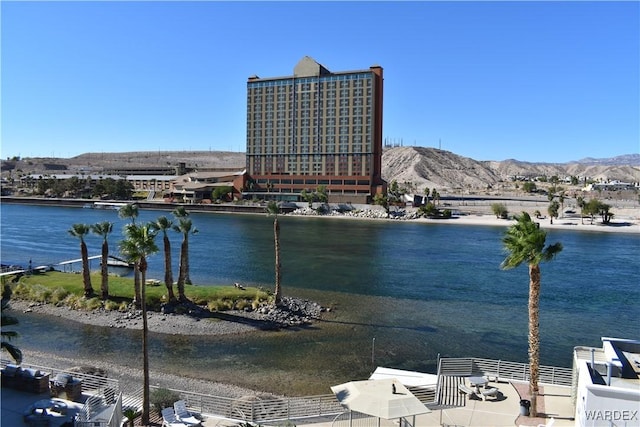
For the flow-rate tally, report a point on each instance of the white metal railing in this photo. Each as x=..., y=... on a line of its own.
x=262, y=409
x=504, y=370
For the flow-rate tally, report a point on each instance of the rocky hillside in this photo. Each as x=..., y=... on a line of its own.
x=431, y=167
x=424, y=167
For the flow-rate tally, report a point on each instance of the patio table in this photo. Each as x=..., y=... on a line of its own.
x=477, y=382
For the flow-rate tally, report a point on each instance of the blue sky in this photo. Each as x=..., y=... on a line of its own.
x=533, y=81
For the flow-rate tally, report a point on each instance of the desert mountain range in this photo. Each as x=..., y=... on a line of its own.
x=421, y=166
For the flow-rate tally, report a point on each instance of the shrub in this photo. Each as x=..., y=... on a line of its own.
x=154, y=302
x=58, y=295
x=220, y=305
x=92, y=303
x=39, y=293
x=242, y=304
x=163, y=398
x=500, y=210
x=111, y=305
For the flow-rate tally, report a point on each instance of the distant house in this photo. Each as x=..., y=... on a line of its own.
x=610, y=186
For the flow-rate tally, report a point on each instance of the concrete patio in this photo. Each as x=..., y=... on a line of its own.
x=503, y=411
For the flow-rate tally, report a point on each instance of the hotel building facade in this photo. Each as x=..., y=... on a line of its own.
x=315, y=128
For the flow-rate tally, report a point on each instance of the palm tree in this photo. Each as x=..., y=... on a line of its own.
x=80, y=231
x=163, y=224
x=272, y=209
x=137, y=246
x=561, y=197
x=525, y=242
x=7, y=320
x=184, y=226
x=581, y=204
x=130, y=210
x=553, y=209
x=104, y=229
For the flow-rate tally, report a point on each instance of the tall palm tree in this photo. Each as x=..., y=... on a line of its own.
x=137, y=246
x=104, y=229
x=164, y=224
x=185, y=227
x=272, y=209
x=80, y=231
x=130, y=210
x=525, y=242
x=7, y=320
x=581, y=205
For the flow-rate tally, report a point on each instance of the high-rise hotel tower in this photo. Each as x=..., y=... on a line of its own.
x=315, y=128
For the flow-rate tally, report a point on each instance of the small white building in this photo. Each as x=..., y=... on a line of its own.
x=606, y=384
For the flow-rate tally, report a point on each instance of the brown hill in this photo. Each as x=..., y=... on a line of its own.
x=431, y=167
x=424, y=167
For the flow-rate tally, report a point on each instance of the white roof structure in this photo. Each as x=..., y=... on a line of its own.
x=407, y=378
x=386, y=398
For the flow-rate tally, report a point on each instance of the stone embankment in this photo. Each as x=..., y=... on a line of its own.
x=358, y=213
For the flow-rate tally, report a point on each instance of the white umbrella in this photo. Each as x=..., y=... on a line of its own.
x=386, y=399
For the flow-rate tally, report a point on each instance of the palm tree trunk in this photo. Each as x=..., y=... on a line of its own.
x=182, y=272
x=136, y=284
x=534, y=334
x=104, y=270
x=145, y=349
x=168, y=273
x=86, y=276
x=276, y=237
x=187, y=277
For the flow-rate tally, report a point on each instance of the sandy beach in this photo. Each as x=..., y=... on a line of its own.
x=626, y=224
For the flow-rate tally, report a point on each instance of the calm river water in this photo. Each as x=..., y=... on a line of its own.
x=418, y=289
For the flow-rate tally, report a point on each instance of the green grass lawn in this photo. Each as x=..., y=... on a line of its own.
x=67, y=289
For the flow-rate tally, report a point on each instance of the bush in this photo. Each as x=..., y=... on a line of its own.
x=58, y=295
x=154, y=302
x=500, y=210
x=111, y=305
x=163, y=398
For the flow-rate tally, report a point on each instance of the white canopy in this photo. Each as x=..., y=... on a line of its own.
x=407, y=378
x=386, y=398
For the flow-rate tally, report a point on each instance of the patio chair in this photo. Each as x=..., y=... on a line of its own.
x=466, y=390
x=184, y=415
x=493, y=391
x=169, y=419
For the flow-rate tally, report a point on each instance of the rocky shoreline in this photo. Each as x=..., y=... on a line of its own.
x=196, y=320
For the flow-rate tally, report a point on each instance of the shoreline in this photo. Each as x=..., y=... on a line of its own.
x=478, y=212
x=171, y=324
x=621, y=225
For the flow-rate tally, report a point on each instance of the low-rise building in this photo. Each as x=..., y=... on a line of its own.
x=606, y=383
x=198, y=187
